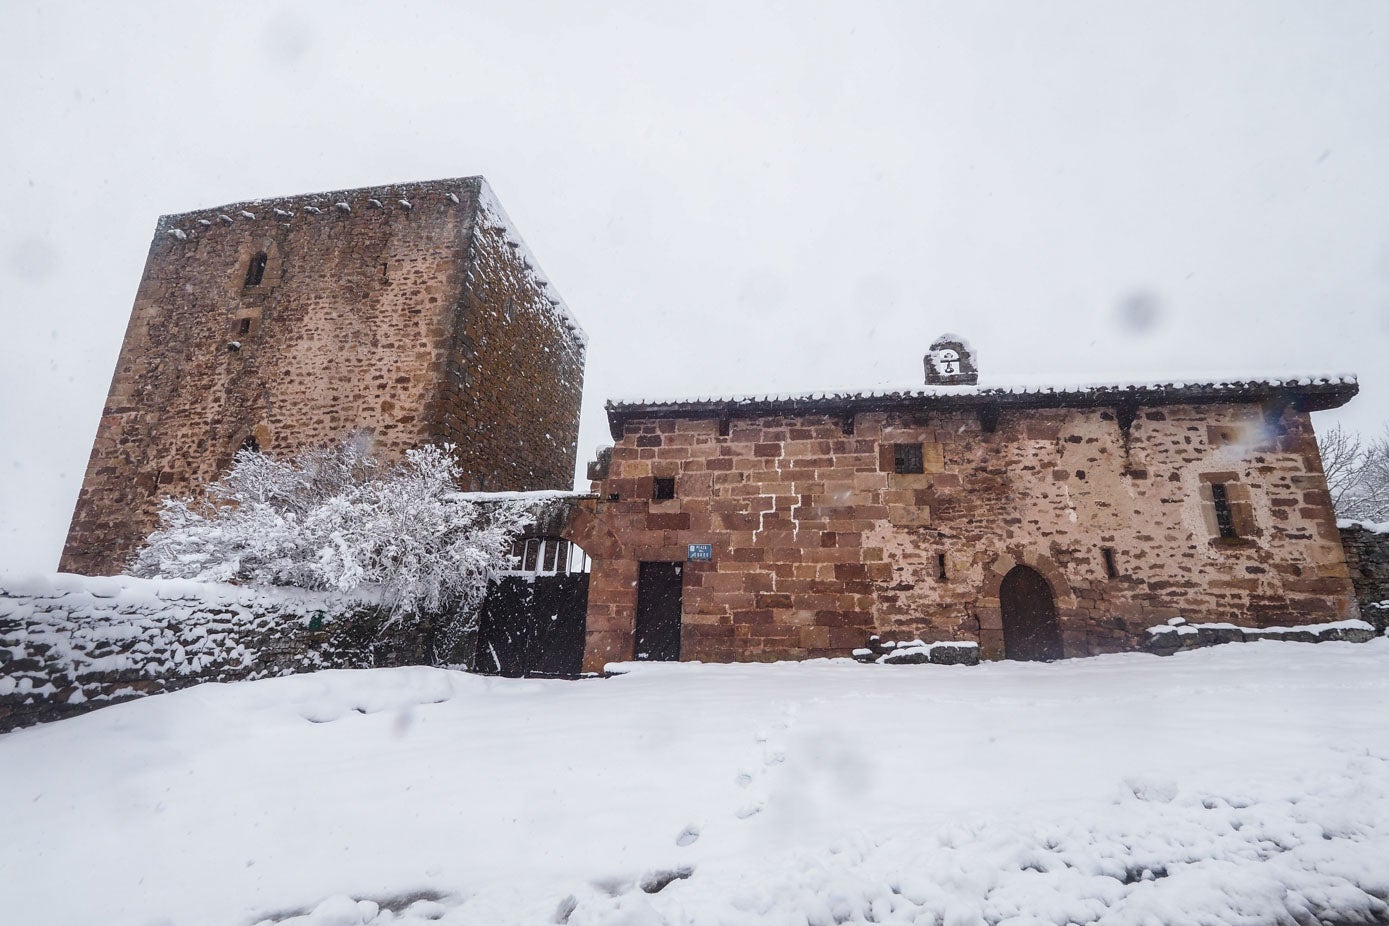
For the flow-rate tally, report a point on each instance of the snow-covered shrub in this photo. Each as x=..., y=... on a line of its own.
x=337, y=519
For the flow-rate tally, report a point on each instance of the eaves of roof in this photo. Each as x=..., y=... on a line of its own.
x=1307, y=393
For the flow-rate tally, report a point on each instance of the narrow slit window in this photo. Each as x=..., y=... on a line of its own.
x=1111, y=568
x=662, y=488
x=906, y=458
x=940, y=567
x=1224, y=517
x=255, y=270
x=244, y=326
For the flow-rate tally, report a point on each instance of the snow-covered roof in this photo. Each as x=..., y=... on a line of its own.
x=1313, y=392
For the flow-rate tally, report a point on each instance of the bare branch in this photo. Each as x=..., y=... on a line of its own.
x=1357, y=474
x=1341, y=458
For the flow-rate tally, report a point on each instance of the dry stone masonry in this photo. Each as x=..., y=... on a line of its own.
x=414, y=312
x=1178, y=634
x=69, y=644
x=1367, y=555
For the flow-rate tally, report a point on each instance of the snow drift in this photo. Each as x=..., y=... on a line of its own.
x=1231, y=785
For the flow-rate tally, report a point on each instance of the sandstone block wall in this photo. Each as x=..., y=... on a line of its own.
x=818, y=543
x=412, y=311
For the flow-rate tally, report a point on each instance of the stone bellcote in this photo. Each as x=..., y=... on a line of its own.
x=950, y=362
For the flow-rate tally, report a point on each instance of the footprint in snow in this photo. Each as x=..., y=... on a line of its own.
x=749, y=810
x=653, y=882
x=743, y=779
x=687, y=836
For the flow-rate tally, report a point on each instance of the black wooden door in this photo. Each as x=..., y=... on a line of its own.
x=534, y=625
x=1030, y=627
x=658, y=611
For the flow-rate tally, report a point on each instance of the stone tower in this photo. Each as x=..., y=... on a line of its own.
x=414, y=312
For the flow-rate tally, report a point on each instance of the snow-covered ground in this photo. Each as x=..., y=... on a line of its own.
x=1238, y=784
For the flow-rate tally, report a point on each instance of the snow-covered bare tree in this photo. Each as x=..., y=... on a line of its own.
x=1357, y=474
x=1371, y=500
x=336, y=518
x=1341, y=455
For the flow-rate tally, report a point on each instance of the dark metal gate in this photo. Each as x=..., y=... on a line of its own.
x=532, y=623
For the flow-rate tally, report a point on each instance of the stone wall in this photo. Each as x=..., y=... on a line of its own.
x=412, y=312
x=515, y=375
x=1367, y=554
x=818, y=543
x=70, y=644
x=1178, y=635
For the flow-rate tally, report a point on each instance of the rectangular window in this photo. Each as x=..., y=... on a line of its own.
x=555, y=554
x=940, y=567
x=530, y=557
x=255, y=270
x=662, y=488
x=1111, y=568
x=1224, y=517
x=906, y=458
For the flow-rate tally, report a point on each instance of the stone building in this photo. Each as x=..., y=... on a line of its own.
x=413, y=312
x=1038, y=522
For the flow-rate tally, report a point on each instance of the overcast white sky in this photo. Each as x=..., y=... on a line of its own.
x=732, y=197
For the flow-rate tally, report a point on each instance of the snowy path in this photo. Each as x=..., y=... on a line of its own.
x=1246, y=783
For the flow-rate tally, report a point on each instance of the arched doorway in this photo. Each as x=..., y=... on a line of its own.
x=1030, y=627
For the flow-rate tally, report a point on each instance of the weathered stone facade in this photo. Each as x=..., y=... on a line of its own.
x=413, y=312
x=1118, y=497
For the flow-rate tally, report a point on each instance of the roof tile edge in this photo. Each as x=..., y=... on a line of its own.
x=1175, y=386
x=393, y=191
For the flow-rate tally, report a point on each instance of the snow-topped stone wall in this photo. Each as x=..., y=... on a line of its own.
x=70, y=644
x=1367, y=555
x=1178, y=634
